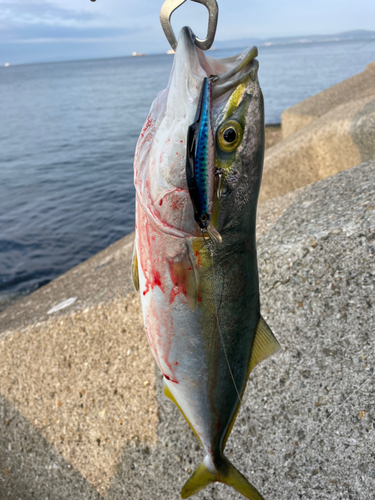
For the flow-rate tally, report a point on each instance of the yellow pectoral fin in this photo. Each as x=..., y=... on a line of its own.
x=265, y=344
x=135, y=275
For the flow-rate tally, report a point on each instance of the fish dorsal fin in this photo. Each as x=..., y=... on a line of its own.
x=265, y=344
x=135, y=275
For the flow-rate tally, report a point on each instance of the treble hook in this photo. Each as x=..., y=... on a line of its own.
x=170, y=6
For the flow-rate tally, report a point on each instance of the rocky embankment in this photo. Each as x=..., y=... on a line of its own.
x=81, y=412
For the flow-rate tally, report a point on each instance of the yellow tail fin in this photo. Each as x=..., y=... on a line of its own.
x=201, y=478
x=226, y=474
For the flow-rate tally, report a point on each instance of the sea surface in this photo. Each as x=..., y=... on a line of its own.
x=67, y=137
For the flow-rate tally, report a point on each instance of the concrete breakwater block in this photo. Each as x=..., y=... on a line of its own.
x=325, y=134
x=305, y=112
x=339, y=139
x=81, y=411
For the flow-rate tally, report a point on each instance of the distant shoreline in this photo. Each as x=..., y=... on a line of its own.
x=221, y=45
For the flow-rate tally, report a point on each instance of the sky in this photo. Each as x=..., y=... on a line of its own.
x=57, y=30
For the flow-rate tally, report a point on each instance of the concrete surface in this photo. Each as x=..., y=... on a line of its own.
x=273, y=135
x=67, y=379
x=336, y=141
x=352, y=89
x=97, y=280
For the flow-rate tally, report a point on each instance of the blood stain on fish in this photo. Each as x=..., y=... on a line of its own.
x=149, y=124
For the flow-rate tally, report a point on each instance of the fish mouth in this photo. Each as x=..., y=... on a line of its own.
x=230, y=79
x=225, y=74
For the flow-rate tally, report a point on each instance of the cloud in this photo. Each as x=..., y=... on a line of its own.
x=41, y=13
x=43, y=21
x=135, y=23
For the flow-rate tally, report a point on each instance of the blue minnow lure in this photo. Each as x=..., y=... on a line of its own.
x=200, y=163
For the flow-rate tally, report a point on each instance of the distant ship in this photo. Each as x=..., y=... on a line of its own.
x=138, y=54
x=170, y=52
x=6, y=65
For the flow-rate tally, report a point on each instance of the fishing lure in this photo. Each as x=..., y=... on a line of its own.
x=200, y=162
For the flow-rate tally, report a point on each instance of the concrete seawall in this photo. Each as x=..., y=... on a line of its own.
x=323, y=135
x=81, y=407
x=81, y=411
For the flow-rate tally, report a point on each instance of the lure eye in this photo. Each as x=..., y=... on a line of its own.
x=229, y=136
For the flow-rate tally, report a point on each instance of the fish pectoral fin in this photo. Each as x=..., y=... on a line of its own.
x=265, y=344
x=226, y=474
x=135, y=275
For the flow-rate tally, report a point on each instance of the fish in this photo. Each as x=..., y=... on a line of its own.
x=198, y=282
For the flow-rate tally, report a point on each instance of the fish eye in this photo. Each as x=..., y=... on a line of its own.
x=229, y=136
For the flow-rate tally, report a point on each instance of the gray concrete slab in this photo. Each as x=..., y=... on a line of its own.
x=306, y=428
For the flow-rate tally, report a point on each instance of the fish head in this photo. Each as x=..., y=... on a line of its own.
x=236, y=139
x=239, y=148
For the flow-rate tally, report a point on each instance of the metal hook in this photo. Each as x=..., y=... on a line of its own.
x=170, y=6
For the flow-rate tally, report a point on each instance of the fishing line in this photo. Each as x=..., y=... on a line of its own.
x=324, y=423
x=210, y=249
x=329, y=417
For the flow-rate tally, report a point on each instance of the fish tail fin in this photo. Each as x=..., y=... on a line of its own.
x=200, y=478
x=226, y=473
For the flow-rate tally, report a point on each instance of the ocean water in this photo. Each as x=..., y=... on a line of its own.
x=67, y=137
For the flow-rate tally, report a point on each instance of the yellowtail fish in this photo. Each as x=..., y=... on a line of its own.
x=200, y=297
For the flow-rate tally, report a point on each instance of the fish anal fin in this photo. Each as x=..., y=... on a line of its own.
x=226, y=473
x=265, y=344
x=135, y=275
x=168, y=394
